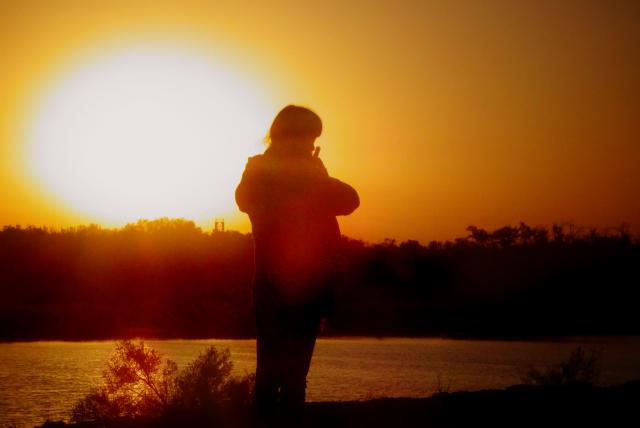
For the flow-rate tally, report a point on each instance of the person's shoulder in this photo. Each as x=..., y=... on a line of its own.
x=255, y=158
x=255, y=161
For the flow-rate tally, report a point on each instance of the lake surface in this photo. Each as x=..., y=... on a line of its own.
x=42, y=380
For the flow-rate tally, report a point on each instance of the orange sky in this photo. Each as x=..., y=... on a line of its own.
x=440, y=114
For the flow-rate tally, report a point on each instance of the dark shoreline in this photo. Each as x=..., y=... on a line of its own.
x=519, y=405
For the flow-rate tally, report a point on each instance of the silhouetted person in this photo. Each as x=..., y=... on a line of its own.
x=292, y=203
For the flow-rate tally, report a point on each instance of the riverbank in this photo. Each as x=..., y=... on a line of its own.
x=520, y=405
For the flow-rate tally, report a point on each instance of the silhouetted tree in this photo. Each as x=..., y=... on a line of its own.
x=168, y=278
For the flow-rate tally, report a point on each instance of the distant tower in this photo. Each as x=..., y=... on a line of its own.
x=218, y=225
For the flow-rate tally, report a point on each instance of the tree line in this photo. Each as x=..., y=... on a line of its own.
x=168, y=278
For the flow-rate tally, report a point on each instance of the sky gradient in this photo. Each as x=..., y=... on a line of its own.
x=441, y=114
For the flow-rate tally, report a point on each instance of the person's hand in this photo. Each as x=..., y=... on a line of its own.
x=318, y=167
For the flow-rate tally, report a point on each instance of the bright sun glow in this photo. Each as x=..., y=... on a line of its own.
x=147, y=132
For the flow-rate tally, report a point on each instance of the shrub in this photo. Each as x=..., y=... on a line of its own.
x=136, y=383
x=580, y=368
x=207, y=382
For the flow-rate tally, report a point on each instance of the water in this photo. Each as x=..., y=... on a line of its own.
x=42, y=380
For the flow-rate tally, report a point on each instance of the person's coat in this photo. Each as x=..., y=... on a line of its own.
x=293, y=203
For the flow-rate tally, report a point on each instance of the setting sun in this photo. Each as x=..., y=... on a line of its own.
x=146, y=131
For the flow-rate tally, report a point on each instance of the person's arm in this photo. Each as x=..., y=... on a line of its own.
x=339, y=198
x=250, y=193
x=332, y=195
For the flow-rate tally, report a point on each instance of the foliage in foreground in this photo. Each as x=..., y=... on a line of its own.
x=581, y=367
x=136, y=383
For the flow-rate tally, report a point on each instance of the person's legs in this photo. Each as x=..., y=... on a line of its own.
x=286, y=335
x=301, y=331
x=265, y=391
x=268, y=344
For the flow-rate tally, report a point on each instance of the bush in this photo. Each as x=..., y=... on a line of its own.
x=579, y=368
x=207, y=383
x=136, y=383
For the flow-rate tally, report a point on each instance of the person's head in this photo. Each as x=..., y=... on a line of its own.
x=294, y=130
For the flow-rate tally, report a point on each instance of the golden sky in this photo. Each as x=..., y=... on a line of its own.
x=441, y=114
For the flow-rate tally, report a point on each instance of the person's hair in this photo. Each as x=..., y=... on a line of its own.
x=295, y=121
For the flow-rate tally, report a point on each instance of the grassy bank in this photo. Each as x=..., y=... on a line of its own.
x=521, y=405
